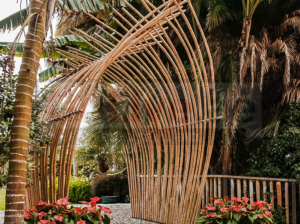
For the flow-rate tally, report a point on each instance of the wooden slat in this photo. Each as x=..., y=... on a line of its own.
x=245, y=187
x=231, y=187
x=265, y=190
x=239, y=188
x=272, y=194
x=215, y=188
x=294, y=203
x=251, y=191
x=219, y=187
x=278, y=191
x=257, y=190
x=207, y=192
x=287, y=211
x=210, y=188
x=225, y=189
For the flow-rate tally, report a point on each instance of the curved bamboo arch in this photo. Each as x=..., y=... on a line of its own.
x=168, y=157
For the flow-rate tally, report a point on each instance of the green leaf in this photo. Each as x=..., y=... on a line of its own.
x=13, y=21
x=237, y=216
x=200, y=218
x=106, y=219
x=49, y=73
x=251, y=218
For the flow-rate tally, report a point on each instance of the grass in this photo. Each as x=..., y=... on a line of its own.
x=2, y=199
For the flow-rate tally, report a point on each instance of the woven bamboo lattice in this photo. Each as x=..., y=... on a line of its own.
x=168, y=157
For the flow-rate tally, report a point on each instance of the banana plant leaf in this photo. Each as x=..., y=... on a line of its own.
x=49, y=73
x=13, y=21
x=59, y=42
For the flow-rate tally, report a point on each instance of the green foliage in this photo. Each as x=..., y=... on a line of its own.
x=13, y=20
x=87, y=170
x=111, y=185
x=79, y=190
x=279, y=156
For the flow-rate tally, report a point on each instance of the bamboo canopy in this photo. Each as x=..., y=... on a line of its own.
x=168, y=155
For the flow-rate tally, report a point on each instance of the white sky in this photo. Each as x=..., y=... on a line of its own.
x=10, y=7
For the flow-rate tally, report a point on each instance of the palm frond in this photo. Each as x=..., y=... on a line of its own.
x=218, y=14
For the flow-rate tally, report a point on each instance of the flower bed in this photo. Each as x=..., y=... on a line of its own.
x=60, y=212
x=236, y=211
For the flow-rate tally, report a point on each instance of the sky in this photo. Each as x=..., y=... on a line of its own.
x=9, y=7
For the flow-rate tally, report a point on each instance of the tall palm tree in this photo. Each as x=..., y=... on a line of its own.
x=15, y=193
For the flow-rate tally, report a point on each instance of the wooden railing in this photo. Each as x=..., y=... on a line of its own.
x=283, y=192
x=256, y=188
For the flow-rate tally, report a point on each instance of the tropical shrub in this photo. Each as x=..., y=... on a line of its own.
x=235, y=211
x=60, y=212
x=79, y=190
x=111, y=185
x=279, y=154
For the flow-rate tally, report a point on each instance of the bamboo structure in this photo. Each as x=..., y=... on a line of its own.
x=173, y=141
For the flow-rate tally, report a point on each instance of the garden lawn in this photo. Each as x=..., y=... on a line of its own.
x=2, y=199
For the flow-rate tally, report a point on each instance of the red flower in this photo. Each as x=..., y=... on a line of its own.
x=91, y=209
x=59, y=218
x=95, y=199
x=40, y=205
x=218, y=202
x=42, y=214
x=27, y=215
x=44, y=222
x=260, y=216
x=85, y=203
x=207, y=216
x=104, y=209
x=244, y=214
x=79, y=210
x=80, y=222
x=226, y=198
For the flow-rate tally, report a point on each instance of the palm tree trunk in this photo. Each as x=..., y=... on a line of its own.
x=246, y=32
x=16, y=182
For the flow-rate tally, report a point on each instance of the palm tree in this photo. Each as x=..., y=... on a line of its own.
x=15, y=193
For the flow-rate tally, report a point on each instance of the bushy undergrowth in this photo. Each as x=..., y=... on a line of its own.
x=80, y=190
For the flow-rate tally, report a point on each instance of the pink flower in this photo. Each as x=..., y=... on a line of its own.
x=213, y=215
x=218, y=202
x=210, y=208
x=270, y=207
x=80, y=222
x=245, y=199
x=207, y=216
x=44, y=222
x=59, y=218
x=260, y=216
x=42, y=214
x=268, y=213
x=202, y=211
x=224, y=209
x=64, y=201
